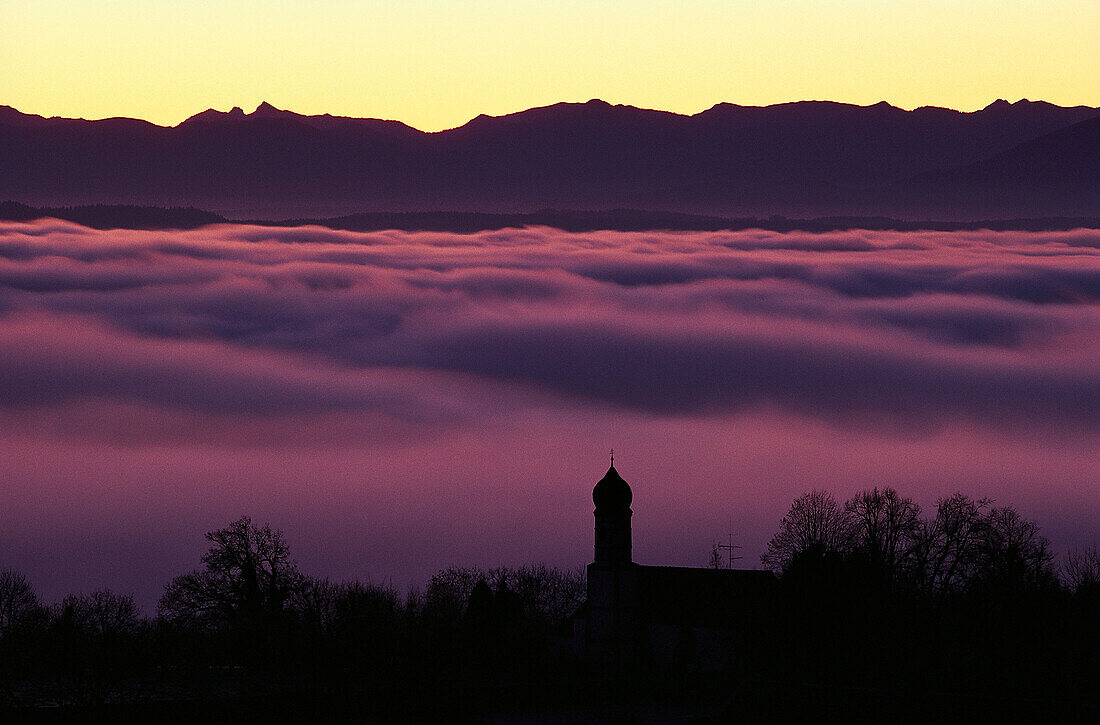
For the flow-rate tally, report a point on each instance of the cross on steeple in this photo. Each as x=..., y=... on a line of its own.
x=612, y=456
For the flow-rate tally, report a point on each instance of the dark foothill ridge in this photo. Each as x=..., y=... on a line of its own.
x=101, y=216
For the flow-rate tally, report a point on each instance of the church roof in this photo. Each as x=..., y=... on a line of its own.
x=686, y=595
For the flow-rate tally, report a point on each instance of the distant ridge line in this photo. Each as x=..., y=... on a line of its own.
x=107, y=216
x=266, y=110
x=805, y=160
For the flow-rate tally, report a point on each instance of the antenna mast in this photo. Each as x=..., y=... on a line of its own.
x=730, y=547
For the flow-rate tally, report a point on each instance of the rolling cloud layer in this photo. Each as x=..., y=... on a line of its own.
x=229, y=338
x=998, y=328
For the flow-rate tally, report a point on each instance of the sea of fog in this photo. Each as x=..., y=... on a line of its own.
x=397, y=402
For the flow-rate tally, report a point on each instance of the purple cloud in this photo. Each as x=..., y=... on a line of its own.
x=915, y=327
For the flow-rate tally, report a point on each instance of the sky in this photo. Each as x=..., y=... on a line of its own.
x=397, y=402
x=435, y=65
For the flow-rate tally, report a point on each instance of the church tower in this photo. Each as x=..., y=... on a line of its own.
x=609, y=634
x=612, y=497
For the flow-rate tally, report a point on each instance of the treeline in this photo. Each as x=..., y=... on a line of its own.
x=960, y=613
x=247, y=630
x=880, y=538
x=879, y=608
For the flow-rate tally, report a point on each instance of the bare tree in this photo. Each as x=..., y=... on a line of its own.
x=100, y=614
x=972, y=544
x=1014, y=554
x=329, y=607
x=886, y=528
x=547, y=591
x=815, y=521
x=968, y=545
x=19, y=604
x=97, y=650
x=247, y=577
x=949, y=550
x=315, y=603
x=449, y=590
x=1082, y=568
x=540, y=589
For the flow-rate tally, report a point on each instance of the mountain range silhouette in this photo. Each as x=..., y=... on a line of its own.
x=810, y=159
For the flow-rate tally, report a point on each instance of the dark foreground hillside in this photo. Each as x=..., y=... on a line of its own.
x=877, y=615
x=847, y=658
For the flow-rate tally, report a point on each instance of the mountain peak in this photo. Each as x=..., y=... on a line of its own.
x=211, y=114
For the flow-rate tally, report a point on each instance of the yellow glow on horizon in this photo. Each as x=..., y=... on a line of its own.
x=435, y=65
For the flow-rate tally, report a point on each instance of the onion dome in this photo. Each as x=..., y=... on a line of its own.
x=612, y=492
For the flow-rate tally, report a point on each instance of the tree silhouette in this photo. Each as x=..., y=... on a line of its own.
x=815, y=522
x=19, y=605
x=100, y=614
x=334, y=608
x=950, y=546
x=247, y=579
x=886, y=530
x=546, y=591
x=94, y=649
x=878, y=538
x=972, y=544
x=448, y=591
x=1082, y=569
x=541, y=590
x=1014, y=555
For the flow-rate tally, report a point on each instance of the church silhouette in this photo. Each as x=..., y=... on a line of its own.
x=657, y=616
